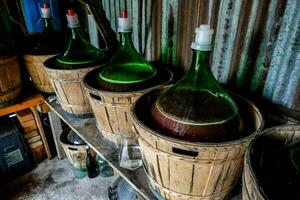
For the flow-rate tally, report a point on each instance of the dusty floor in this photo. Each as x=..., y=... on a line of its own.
x=53, y=180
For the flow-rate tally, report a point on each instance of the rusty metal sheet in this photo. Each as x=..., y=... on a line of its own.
x=256, y=43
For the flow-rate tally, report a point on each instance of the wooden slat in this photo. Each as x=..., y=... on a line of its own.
x=34, y=65
x=26, y=102
x=41, y=131
x=209, y=174
x=56, y=129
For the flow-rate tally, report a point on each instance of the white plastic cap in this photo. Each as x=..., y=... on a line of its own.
x=203, y=37
x=124, y=23
x=46, y=13
x=45, y=10
x=72, y=18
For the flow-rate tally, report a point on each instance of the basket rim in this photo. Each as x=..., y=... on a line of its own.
x=197, y=144
x=247, y=161
x=94, y=90
x=89, y=67
x=40, y=55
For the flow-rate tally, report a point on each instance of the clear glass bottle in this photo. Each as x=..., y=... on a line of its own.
x=79, y=171
x=105, y=170
x=130, y=155
x=127, y=69
x=196, y=108
x=79, y=51
x=49, y=41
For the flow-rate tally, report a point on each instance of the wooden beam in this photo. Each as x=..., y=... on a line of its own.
x=56, y=129
x=26, y=102
x=41, y=131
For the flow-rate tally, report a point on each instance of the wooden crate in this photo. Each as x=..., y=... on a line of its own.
x=10, y=80
x=29, y=126
x=38, y=153
x=25, y=115
x=31, y=134
x=181, y=170
x=35, y=144
x=26, y=119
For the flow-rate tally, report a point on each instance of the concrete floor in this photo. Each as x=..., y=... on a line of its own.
x=53, y=180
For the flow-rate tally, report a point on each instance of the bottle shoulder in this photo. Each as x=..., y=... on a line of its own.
x=79, y=51
x=127, y=66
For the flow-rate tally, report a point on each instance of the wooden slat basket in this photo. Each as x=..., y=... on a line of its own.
x=36, y=70
x=10, y=80
x=68, y=86
x=285, y=135
x=112, y=109
x=181, y=170
x=76, y=154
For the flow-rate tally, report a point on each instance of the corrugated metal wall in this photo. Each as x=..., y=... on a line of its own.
x=257, y=42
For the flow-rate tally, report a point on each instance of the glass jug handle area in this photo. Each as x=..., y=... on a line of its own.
x=103, y=25
x=130, y=155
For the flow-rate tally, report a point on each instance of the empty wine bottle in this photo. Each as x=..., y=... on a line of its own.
x=127, y=69
x=105, y=170
x=79, y=51
x=50, y=40
x=196, y=108
x=91, y=165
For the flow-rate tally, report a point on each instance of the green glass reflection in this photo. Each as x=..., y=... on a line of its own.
x=49, y=40
x=198, y=98
x=79, y=51
x=196, y=108
x=127, y=66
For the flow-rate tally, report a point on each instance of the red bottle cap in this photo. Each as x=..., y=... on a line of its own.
x=124, y=13
x=70, y=11
x=45, y=5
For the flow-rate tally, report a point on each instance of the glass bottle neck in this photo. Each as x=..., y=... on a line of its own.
x=76, y=32
x=48, y=23
x=126, y=40
x=200, y=60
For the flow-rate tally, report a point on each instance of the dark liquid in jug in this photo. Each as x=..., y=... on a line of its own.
x=190, y=119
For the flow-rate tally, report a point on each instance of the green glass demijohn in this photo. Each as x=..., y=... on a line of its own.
x=127, y=69
x=79, y=52
x=7, y=42
x=49, y=41
x=196, y=108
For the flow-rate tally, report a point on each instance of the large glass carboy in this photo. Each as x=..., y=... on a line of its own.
x=127, y=69
x=197, y=108
x=79, y=51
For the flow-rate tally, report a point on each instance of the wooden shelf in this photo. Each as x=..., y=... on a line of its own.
x=86, y=128
x=30, y=100
x=27, y=101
